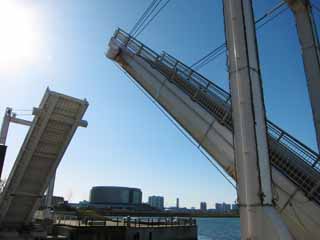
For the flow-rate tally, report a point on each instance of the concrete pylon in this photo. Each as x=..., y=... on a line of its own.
x=49, y=197
x=309, y=41
x=259, y=219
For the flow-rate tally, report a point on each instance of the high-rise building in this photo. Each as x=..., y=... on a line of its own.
x=177, y=203
x=203, y=206
x=219, y=207
x=235, y=207
x=227, y=207
x=156, y=201
x=223, y=207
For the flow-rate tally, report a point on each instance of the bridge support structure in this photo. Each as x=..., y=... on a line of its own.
x=9, y=117
x=309, y=41
x=51, y=130
x=259, y=220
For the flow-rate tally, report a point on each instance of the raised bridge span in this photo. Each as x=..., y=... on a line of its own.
x=203, y=109
x=49, y=135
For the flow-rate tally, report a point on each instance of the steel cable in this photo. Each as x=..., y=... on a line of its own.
x=154, y=16
x=142, y=17
x=177, y=126
x=212, y=55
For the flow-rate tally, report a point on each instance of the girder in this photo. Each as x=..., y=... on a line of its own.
x=48, y=137
x=203, y=110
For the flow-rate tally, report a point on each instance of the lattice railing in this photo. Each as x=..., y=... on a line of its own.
x=217, y=101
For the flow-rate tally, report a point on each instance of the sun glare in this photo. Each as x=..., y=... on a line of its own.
x=17, y=35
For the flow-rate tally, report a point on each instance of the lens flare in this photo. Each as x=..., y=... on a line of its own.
x=17, y=35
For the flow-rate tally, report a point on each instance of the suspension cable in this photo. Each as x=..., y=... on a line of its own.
x=271, y=11
x=143, y=23
x=142, y=16
x=271, y=18
x=212, y=57
x=152, y=11
x=154, y=16
x=189, y=138
x=149, y=13
x=222, y=46
x=218, y=51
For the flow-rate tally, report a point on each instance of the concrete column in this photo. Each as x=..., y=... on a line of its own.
x=49, y=196
x=3, y=137
x=249, y=121
x=5, y=126
x=50, y=191
x=309, y=42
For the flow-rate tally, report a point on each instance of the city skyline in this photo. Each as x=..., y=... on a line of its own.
x=128, y=141
x=209, y=204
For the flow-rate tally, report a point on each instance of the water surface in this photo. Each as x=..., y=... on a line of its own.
x=218, y=228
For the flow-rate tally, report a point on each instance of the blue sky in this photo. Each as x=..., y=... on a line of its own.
x=128, y=141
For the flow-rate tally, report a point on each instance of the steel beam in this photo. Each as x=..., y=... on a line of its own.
x=20, y=121
x=306, y=28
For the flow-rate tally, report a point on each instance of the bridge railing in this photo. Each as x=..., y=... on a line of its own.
x=130, y=222
x=288, y=142
x=305, y=153
x=282, y=137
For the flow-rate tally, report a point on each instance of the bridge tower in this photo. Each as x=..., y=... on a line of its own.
x=259, y=219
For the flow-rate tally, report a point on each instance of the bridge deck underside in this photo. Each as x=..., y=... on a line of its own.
x=291, y=157
x=39, y=156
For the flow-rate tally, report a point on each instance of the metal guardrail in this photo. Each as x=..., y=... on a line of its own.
x=281, y=136
x=129, y=222
x=208, y=88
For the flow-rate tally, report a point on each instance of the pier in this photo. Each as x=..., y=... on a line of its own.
x=126, y=228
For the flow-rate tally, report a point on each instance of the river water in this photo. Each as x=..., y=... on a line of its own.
x=218, y=228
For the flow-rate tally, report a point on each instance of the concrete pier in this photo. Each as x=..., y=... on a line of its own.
x=125, y=233
x=123, y=230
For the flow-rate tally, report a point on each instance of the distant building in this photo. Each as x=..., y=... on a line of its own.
x=83, y=204
x=156, y=202
x=223, y=207
x=115, y=197
x=174, y=209
x=227, y=207
x=203, y=206
x=56, y=201
x=234, y=207
x=177, y=203
x=219, y=207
